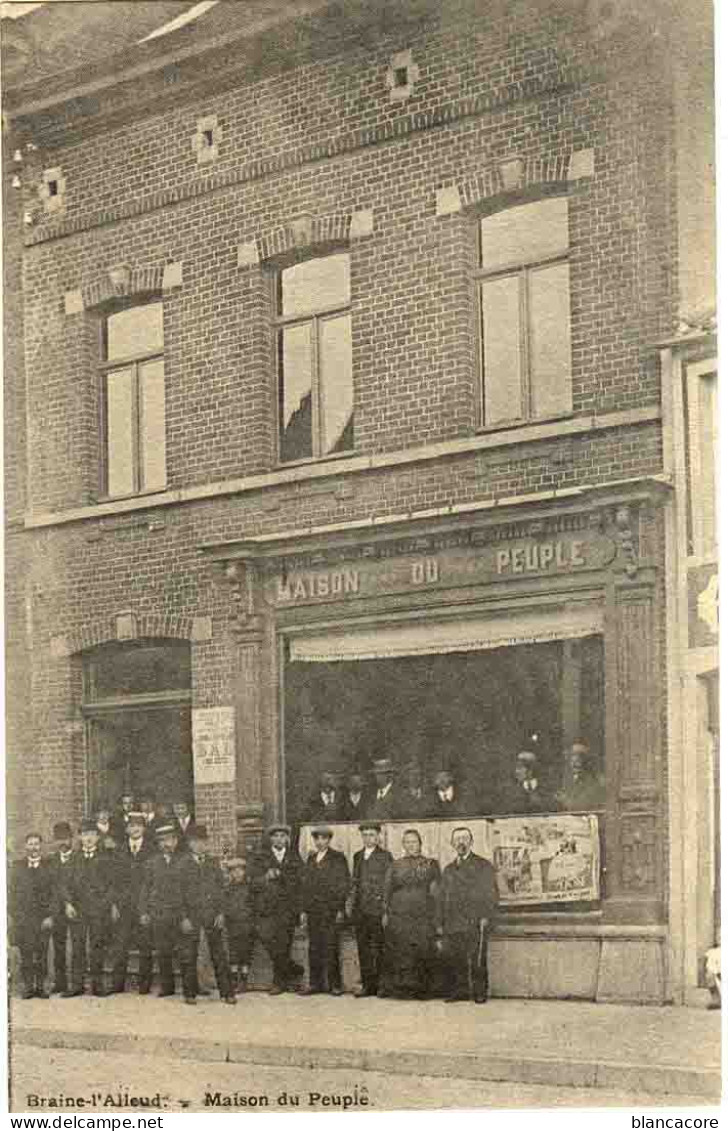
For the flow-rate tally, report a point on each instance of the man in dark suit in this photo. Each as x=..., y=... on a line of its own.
x=446, y=800
x=467, y=905
x=276, y=879
x=366, y=906
x=89, y=896
x=524, y=793
x=383, y=800
x=325, y=888
x=166, y=905
x=32, y=905
x=325, y=805
x=208, y=907
x=354, y=804
x=66, y=932
x=131, y=858
x=185, y=820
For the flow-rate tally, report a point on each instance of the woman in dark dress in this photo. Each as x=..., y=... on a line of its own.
x=409, y=920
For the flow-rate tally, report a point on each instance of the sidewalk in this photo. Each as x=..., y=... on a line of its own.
x=645, y=1049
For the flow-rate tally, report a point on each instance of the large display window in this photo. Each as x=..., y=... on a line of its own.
x=516, y=728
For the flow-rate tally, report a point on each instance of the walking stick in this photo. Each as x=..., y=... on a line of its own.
x=481, y=942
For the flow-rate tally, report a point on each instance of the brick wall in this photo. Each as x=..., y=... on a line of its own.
x=526, y=87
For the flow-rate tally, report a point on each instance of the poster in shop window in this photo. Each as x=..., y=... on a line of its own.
x=553, y=859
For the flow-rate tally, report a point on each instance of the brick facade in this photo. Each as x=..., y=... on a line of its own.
x=524, y=101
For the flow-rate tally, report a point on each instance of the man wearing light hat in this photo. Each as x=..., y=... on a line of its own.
x=524, y=794
x=366, y=905
x=276, y=877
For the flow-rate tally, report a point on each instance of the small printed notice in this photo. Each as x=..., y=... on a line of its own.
x=552, y=859
x=213, y=744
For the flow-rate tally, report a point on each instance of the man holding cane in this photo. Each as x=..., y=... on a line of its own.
x=467, y=907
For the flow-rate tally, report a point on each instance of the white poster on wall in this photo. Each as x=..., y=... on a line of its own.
x=213, y=744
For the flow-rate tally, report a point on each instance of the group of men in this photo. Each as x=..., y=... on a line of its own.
x=153, y=887
x=395, y=797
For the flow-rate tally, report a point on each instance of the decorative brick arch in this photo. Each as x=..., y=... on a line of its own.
x=515, y=175
x=305, y=231
x=122, y=282
x=142, y=626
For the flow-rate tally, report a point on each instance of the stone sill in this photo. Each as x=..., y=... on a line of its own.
x=339, y=466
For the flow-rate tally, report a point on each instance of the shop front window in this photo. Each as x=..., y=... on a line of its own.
x=494, y=732
x=138, y=722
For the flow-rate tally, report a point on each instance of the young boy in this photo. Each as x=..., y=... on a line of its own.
x=239, y=922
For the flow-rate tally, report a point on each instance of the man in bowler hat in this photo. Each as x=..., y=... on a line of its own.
x=276, y=878
x=31, y=907
x=467, y=905
x=325, y=888
x=66, y=932
x=89, y=895
x=166, y=905
x=383, y=800
x=366, y=905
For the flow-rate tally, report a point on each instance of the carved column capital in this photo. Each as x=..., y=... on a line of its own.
x=625, y=522
x=240, y=577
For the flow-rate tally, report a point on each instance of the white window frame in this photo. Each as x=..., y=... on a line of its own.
x=702, y=548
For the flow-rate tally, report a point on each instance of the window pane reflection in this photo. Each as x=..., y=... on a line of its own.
x=152, y=425
x=135, y=332
x=316, y=284
x=503, y=396
x=120, y=432
x=550, y=340
x=295, y=393
x=337, y=391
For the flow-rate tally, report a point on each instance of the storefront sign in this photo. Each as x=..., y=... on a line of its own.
x=553, y=859
x=213, y=744
x=497, y=560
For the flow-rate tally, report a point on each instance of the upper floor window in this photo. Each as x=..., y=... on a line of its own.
x=133, y=400
x=525, y=313
x=315, y=388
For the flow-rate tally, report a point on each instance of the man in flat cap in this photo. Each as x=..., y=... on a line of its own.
x=208, y=907
x=239, y=921
x=131, y=858
x=366, y=905
x=325, y=888
x=89, y=895
x=31, y=906
x=66, y=932
x=383, y=801
x=166, y=905
x=276, y=878
x=466, y=908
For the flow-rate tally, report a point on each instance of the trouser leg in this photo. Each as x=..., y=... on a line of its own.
x=187, y=948
x=41, y=960
x=218, y=955
x=276, y=936
x=122, y=944
x=457, y=961
x=164, y=939
x=479, y=967
x=78, y=932
x=370, y=946
x=60, y=935
x=146, y=953
x=98, y=943
x=316, y=952
x=25, y=944
x=333, y=965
